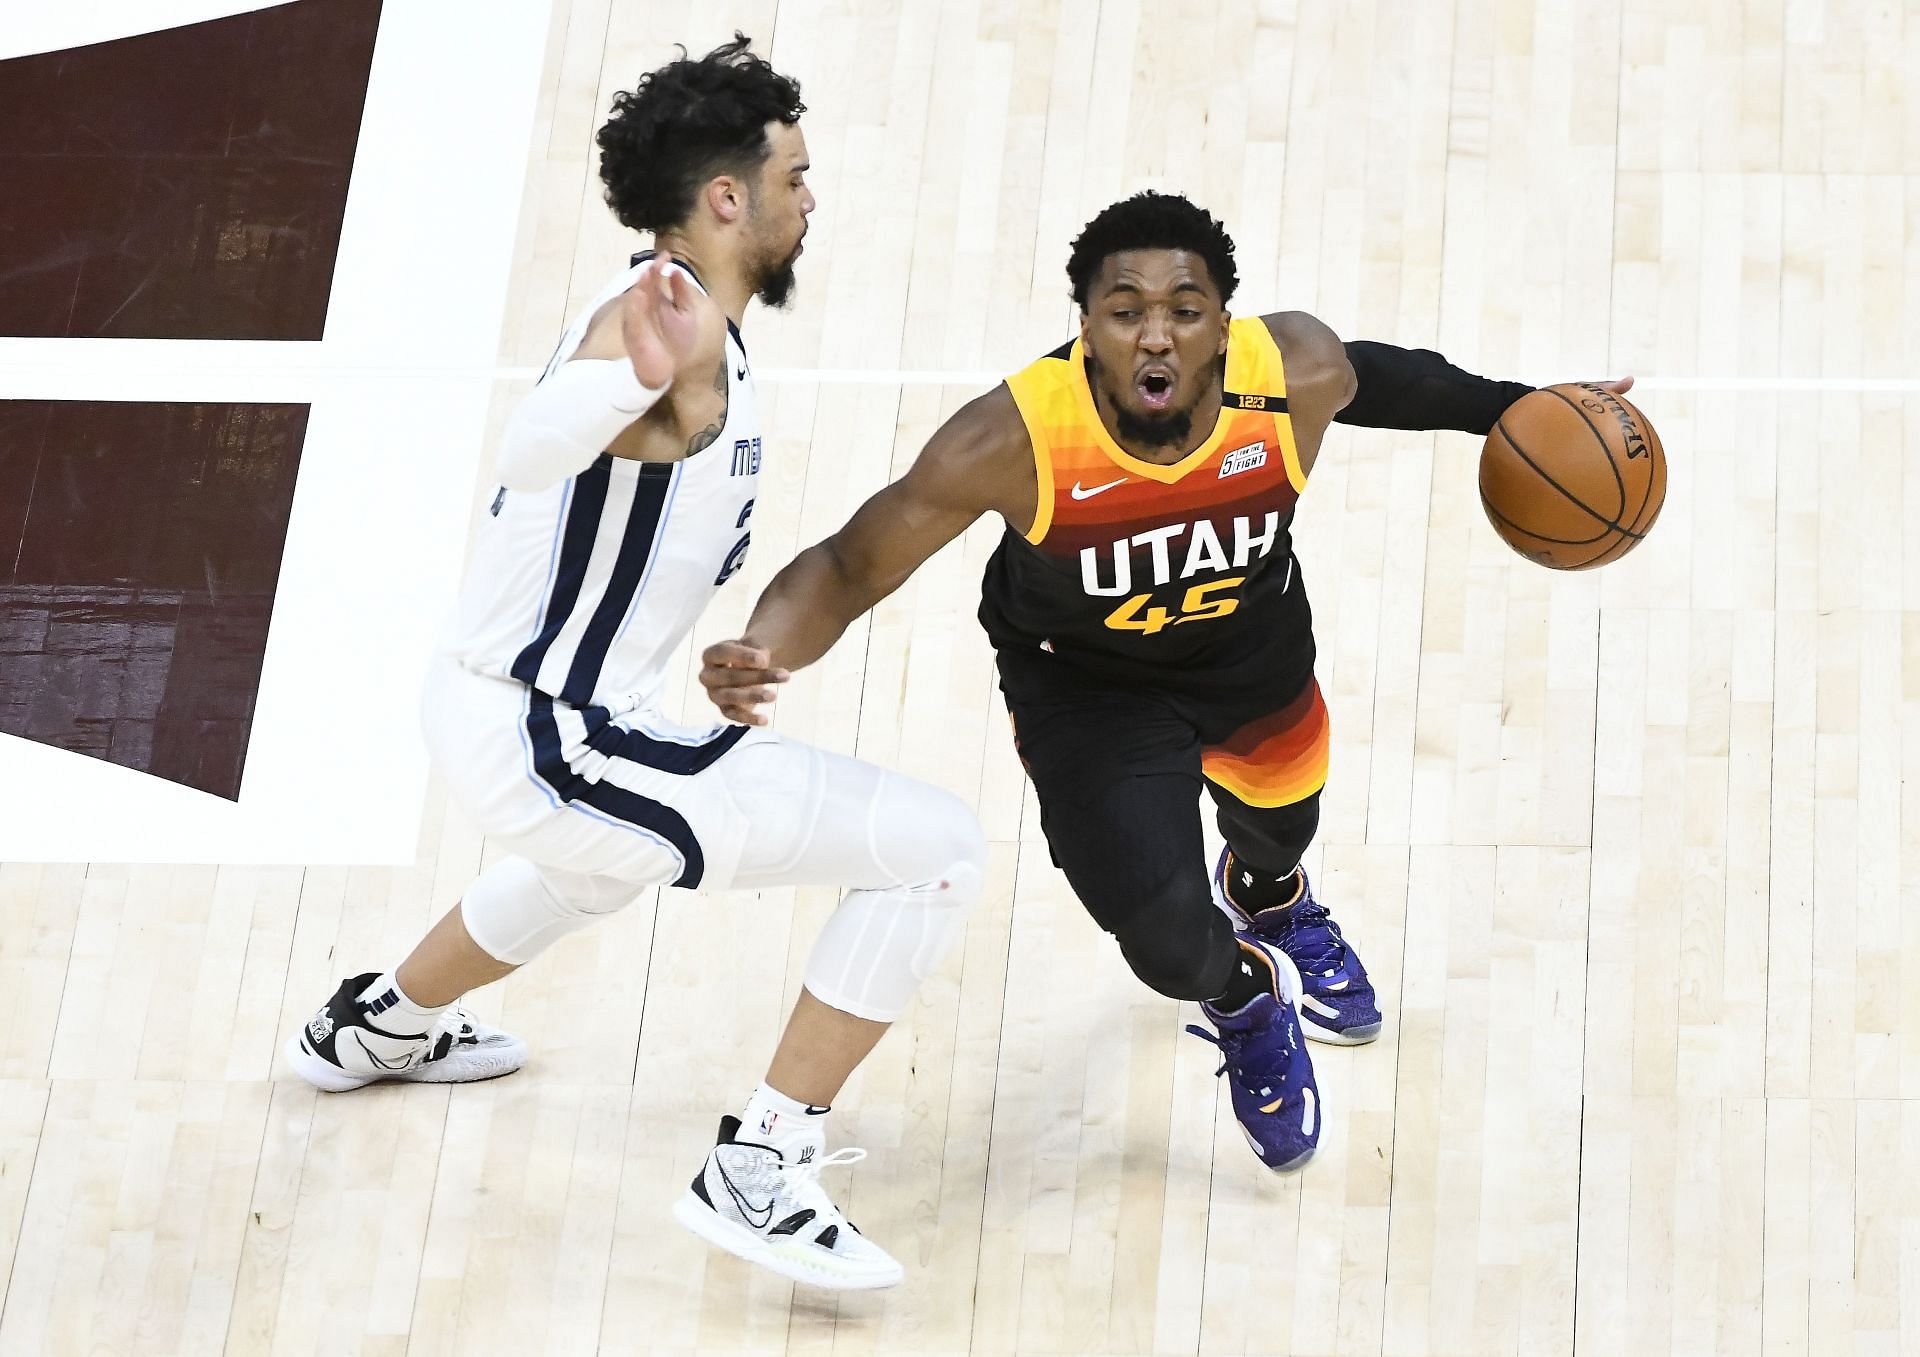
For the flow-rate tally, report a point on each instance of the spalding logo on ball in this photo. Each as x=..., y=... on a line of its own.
x=1573, y=476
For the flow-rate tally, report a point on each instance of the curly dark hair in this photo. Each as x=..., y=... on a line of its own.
x=687, y=122
x=1153, y=221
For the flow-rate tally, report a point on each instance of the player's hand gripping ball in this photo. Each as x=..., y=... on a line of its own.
x=1573, y=476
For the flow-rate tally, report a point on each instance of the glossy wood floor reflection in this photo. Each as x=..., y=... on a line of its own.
x=1629, y=854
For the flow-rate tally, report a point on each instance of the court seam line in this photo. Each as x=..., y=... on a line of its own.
x=267, y=1120
x=1593, y=786
x=273, y=1057
x=39, y=1144
x=1769, y=1225
x=46, y=1111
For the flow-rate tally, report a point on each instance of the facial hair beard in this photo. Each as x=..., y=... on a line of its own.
x=776, y=287
x=1152, y=431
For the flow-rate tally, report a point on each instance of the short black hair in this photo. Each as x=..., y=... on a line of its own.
x=687, y=122
x=1153, y=221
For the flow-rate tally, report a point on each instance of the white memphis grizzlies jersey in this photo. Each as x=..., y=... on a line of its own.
x=582, y=591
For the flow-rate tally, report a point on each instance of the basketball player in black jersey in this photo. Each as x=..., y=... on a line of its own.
x=1151, y=624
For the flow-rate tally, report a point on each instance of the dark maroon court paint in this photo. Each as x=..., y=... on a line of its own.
x=186, y=184
x=140, y=548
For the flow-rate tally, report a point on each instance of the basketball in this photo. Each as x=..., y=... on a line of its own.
x=1572, y=476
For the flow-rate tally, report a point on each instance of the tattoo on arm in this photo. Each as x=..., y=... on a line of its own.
x=705, y=438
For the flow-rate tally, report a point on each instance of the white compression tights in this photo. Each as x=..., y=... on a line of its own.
x=910, y=855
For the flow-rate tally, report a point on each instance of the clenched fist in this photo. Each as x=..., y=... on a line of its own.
x=741, y=680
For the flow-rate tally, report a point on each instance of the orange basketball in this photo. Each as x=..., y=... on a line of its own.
x=1572, y=476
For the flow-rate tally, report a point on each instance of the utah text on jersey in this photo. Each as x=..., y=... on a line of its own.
x=1124, y=552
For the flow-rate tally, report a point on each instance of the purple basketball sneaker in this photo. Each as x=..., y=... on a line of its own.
x=1337, y=1002
x=1274, y=1095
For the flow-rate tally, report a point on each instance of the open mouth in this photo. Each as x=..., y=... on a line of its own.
x=1156, y=388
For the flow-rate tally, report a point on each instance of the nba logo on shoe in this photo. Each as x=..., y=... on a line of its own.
x=1243, y=459
x=766, y=1123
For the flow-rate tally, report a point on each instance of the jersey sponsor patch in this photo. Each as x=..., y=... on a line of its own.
x=1252, y=456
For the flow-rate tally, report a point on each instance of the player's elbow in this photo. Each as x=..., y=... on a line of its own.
x=532, y=457
x=521, y=478
x=569, y=419
x=852, y=583
x=1342, y=380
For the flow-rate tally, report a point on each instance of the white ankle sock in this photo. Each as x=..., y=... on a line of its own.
x=772, y=1118
x=390, y=1010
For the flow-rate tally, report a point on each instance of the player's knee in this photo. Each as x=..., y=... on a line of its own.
x=516, y=909
x=882, y=942
x=1183, y=954
x=879, y=945
x=933, y=842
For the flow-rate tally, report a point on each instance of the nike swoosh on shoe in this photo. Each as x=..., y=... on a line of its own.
x=403, y=1061
x=759, y=1217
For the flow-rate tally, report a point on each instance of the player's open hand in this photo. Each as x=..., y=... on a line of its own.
x=741, y=679
x=660, y=321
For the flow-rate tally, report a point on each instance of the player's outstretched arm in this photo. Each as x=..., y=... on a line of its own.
x=640, y=342
x=1380, y=386
x=1398, y=388
x=958, y=477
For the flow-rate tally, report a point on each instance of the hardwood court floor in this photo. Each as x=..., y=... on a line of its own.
x=1629, y=854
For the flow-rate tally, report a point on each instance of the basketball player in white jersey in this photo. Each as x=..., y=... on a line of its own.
x=627, y=484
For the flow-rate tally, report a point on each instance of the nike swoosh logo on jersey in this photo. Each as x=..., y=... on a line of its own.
x=1080, y=492
x=758, y=1217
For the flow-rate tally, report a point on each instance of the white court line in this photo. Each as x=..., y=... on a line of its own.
x=961, y=377
x=1778, y=384
x=26, y=366
x=12, y=383
x=842, y=376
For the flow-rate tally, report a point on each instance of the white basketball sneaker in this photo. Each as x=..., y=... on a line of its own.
x=340, y=1047
x=749, y=1201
